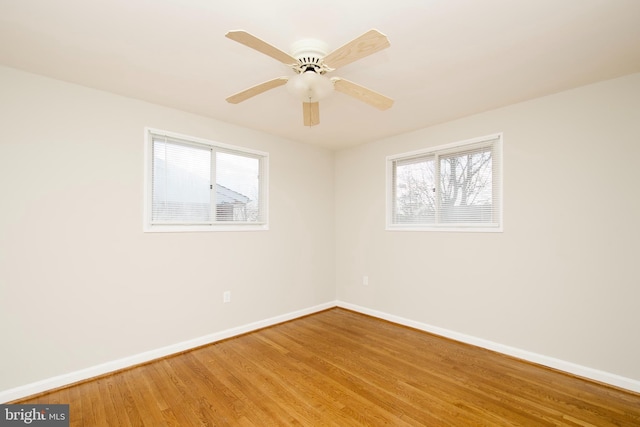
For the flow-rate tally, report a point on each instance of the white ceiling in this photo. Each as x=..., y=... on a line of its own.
x=448, y=58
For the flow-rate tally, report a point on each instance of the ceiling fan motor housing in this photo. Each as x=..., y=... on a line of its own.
x=309, y=53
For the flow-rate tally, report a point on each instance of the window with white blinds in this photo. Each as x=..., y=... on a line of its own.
x=456, y=187
x=198, y=185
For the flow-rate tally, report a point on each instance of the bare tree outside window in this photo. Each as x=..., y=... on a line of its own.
x=455, y=187
x=466, y=187
x=415, y=195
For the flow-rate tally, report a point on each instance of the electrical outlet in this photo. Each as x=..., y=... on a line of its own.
x=226, y=296
x=365, y=280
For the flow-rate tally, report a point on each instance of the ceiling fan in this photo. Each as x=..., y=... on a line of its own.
x=310, y=63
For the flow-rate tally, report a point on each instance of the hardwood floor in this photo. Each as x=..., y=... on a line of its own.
x=339, y=368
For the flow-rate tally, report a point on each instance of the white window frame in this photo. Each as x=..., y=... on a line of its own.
x=498, y=184
x=263, y=157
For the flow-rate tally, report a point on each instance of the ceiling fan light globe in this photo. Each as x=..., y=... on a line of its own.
x=309, y=86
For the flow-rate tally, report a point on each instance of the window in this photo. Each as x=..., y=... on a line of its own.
x=197, y=185
x=456, y=187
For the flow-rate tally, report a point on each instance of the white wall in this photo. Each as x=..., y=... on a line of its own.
x=82, y=285
x=563, y=279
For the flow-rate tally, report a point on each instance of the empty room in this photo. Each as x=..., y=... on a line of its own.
x=410, y=213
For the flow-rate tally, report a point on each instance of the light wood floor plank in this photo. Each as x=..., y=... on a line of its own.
x=340, y=368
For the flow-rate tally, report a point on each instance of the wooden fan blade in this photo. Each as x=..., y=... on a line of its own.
x=375, y=99
x=370, y=42
x=261, y=46
x=256, y=90
x=311, y=113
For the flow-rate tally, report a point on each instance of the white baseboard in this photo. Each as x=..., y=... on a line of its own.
x=127, y=362
x=572, y=368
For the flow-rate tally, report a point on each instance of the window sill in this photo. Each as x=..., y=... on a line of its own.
x=159, y=228
x=460, y=229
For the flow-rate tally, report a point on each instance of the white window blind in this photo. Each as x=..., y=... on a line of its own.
x=181, y=183
x=197, y=185
x=453, y=187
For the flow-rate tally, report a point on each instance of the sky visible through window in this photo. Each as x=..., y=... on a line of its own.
x=236, y=172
